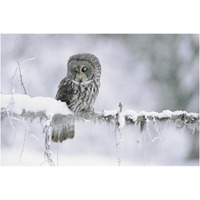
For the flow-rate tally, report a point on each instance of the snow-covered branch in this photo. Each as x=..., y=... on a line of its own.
x=55, y=117
x=23, y=106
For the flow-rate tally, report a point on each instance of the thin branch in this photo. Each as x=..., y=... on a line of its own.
x=13, y=127
x=19, y=63
x=26, y=60
x=20, y=157
x=20, y=75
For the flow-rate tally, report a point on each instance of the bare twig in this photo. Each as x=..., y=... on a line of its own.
x=19, y=63
x=13, y=127
x=20, y=75
x=20, y=158
x=47, y=153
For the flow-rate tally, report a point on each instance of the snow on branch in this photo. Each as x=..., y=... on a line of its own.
x=142, y=118
x=20, y=105
x=55, y=116
x=37, y=107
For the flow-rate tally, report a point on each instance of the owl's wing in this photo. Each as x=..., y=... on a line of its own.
x=65, y=91
x=63, y=126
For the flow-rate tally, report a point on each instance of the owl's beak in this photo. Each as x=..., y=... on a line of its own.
x=80, y=77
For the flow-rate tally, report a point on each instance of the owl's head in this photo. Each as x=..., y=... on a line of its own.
x=83, y=68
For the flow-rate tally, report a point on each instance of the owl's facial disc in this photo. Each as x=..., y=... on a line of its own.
x=81, y=71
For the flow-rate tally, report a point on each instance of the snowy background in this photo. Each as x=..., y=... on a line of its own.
x=144, y=72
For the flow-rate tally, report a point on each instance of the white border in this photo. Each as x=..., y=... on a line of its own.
x=105, y=16
x=143, y=16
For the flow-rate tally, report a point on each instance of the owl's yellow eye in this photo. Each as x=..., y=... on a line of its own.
x=76, y=70
x=84, y=69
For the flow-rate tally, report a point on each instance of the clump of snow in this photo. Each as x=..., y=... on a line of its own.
x=142, y=113
x=121, y=121
x=109, y=112
x=194, y=115
x=154, y=114
x=179, y=112
x=131, y=114
x=165, y=114
x=18, y=103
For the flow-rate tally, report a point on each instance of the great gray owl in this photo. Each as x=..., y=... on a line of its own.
x=78, y=89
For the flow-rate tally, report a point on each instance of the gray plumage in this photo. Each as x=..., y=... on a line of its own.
x=78, y=89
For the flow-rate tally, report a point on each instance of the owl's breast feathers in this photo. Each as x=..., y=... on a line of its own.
x=78, y=97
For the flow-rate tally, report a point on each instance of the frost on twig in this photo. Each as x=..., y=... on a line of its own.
x=18, y=68
x=20, y=75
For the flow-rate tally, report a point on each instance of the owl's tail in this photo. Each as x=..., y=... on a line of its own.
x=62, y=128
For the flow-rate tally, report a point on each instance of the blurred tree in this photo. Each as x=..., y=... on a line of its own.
x=170, y=60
